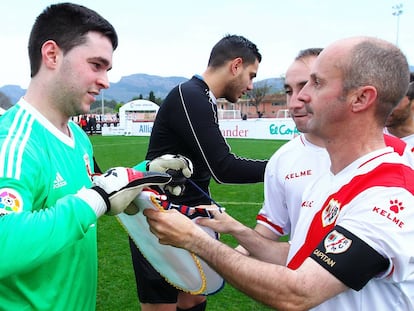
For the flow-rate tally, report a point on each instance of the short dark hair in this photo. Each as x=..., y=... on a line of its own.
x=308, y=52
x=231, y=47
x=410, y=91
x=67, y=24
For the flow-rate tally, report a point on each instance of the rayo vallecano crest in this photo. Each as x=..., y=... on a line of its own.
x=330, y=212
x=336, y=243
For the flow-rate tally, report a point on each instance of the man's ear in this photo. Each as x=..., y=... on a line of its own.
x=363, y=98
x=50, y=53
x=236, y=65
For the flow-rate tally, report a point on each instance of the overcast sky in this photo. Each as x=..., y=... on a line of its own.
x=174, y=38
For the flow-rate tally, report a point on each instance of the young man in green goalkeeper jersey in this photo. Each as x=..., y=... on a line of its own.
x=48, y=244
x=49, y=204
x=50, y=259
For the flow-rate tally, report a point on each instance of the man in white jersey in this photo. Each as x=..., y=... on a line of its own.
x=296, y=163
x=400, y=122
x=352, y=245
x=48, y=203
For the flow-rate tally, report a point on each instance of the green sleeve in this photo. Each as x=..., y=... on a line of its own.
x=42, y=234
x=142, y=167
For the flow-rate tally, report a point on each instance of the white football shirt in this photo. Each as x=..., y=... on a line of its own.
x=373, y=199
x=291, y=168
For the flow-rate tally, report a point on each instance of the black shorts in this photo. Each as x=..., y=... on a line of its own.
x=151, y=286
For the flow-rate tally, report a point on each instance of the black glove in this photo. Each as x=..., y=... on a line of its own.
x=179, y=167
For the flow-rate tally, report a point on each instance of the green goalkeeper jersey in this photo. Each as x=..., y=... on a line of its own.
x=48, y=236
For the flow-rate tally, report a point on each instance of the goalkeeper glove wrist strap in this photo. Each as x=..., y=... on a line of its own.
x=104, y=196
x=94, y=199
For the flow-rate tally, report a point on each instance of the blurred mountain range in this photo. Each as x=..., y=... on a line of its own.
x=133, y=86
x=137, y=85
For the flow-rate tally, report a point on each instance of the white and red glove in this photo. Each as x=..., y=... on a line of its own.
x=115, y=189
x=179, y=167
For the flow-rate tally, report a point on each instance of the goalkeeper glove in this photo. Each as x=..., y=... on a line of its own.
x=179, y=167
x=115, y=189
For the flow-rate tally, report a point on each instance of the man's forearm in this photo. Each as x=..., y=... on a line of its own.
x=274, y=285
x=256, y=244
x=249, y=275
x=261, y=247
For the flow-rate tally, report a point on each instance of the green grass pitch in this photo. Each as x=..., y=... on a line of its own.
x=116, y=285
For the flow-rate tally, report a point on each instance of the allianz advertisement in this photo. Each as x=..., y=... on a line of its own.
x=280, y=128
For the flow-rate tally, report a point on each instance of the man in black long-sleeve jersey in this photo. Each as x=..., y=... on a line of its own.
x=187, y=124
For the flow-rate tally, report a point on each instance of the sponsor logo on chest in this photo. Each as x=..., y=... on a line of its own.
x=391, y=212
x=299, y=174
x=59, y=181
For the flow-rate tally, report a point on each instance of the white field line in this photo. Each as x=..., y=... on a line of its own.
x=241, y=203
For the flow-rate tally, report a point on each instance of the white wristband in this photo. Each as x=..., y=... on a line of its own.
x=93, y=199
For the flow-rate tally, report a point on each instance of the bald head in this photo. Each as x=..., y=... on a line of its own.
x=368, y=61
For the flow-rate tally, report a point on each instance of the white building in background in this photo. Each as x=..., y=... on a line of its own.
x=135, y=119
x=140, y=110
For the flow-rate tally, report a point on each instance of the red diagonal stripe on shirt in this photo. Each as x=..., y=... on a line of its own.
x=385, y=175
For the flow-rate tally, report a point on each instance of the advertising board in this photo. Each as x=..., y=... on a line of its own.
x=263, y=128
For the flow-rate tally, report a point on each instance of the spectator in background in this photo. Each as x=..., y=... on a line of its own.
x=84, y=123
x=400, y=122
x=92, y=124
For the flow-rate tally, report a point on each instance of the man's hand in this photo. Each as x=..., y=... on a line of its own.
x=115, y=189
x=179, y=167
x=173, y=228
x=221, y=222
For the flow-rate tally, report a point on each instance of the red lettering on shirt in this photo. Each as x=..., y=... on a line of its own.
x=298, y=174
